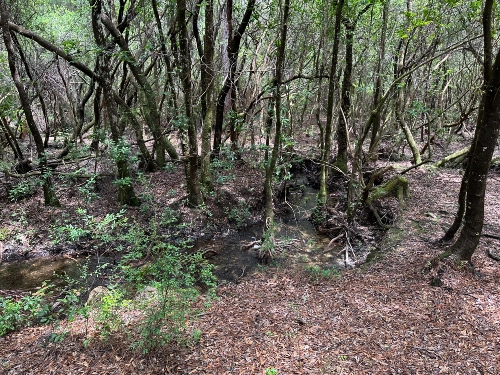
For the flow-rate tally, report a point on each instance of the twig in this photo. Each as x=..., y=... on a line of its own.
x=415, y=166
x=350, y=246
x=428, y=351
x=243, y=270
x=490, y=236
x=334, y=239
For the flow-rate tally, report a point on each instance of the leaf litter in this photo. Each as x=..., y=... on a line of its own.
x=381, y=318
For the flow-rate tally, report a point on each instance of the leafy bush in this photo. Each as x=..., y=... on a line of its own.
x=17, y=314
x=174, y=277
x=224, y=163
x=87, y=190
x=102, y=230
x=24, y=189
x=238, y=214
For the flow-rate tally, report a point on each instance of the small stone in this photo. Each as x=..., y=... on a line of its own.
x=96, y=294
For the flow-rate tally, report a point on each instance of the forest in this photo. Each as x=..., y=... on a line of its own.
x=249, y=187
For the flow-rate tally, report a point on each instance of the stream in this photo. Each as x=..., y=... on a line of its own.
x=303, y=247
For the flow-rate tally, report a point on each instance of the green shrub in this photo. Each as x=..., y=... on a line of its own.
x=24, y=189
x=23, y=312
x=316, y=273
x=239, y=214
x=103, y=230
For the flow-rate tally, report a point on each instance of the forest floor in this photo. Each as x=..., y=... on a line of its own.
x=381, y=318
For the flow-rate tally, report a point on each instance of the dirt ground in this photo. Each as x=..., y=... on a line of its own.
x=381, y=318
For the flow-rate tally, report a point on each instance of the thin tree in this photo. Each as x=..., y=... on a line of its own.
x=233, y=48
x=277, y=82
x=327, y=143
x=48, y=189
x=192, y=178
x=345, y=103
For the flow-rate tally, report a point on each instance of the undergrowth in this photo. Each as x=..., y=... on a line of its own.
x=154, y=281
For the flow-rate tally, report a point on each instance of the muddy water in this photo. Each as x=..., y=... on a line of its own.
x=30, y=274
x=309, y=247
x=302, y=246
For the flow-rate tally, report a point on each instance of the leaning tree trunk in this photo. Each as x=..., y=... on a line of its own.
x=48, y=189
x=485, y=139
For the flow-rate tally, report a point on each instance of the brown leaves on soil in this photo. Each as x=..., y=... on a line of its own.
x=384, y=318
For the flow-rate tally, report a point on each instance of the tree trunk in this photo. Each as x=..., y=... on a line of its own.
x=325, y=152
x=233, y=48
x=192, y=178
x=208, y=76
x=486, y=136
x=400, y=108
x=271, y=166
x=345, y=105
x=378, y=85
x=126, y=194
x=48, y=189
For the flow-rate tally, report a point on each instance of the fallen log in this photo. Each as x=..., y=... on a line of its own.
x=459, y=154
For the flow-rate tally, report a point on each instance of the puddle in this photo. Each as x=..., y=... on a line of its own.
x=29, y=275
x=306, y=247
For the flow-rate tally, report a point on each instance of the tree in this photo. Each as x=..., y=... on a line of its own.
x=192, y=178
x=276, y=101
x=206, y=52
x=375, y=136
x=327, y=143
x=345, y=104
x=473, y=187
x=126, y=194
x=48, y=189
x=151, y=112
x=233, y=49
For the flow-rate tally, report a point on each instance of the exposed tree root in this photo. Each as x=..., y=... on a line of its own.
x=396, y=187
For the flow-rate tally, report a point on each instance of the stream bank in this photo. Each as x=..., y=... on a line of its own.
x=301, y=245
